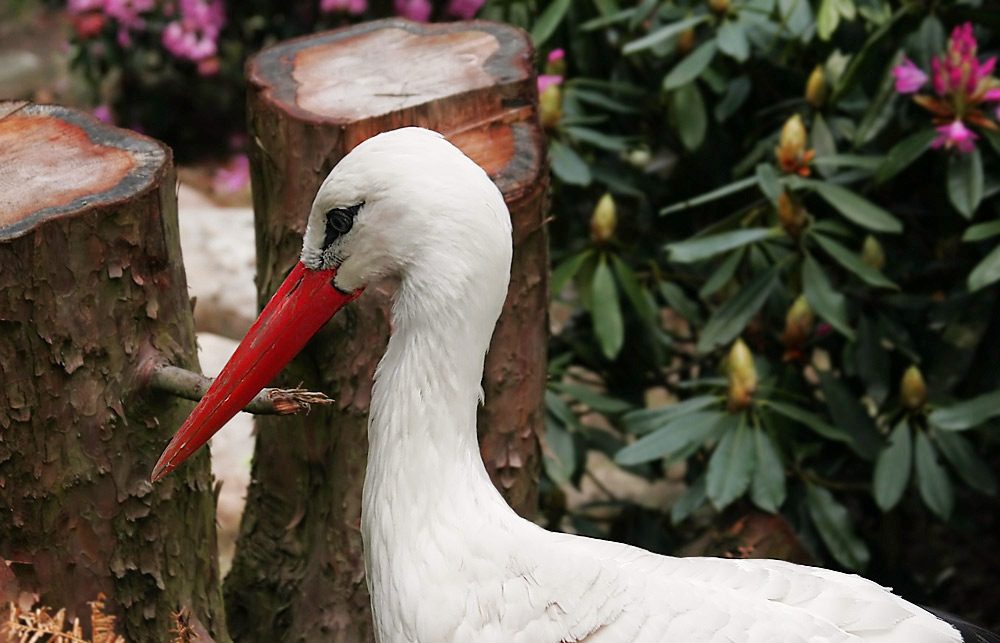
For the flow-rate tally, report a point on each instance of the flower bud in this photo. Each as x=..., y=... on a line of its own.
x=791, y=214
x=817, y=87
x=872, y=253
x=555, y=64
x=604, y=220
x=718, y=7
x=912, y=389
x=791, y=151
x=799, y=324
x=742, y=375
x=550, y=105
x=685, y=42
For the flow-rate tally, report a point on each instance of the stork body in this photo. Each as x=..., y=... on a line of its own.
x=447, y=560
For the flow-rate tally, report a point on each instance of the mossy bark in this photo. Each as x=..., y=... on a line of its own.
x=298, y=574
x=91, y=286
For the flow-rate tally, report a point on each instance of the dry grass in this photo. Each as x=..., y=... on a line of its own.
x=41, y=626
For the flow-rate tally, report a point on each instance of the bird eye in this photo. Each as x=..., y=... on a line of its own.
x=339, y=222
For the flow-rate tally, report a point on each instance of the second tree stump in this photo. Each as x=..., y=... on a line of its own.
x=299, y=573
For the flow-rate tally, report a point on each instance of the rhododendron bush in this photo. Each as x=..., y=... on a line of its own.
x=775, y=256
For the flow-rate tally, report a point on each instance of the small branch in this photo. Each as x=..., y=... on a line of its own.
x=271, y=401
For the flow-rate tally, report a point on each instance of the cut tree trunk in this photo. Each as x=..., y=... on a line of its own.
x=298, y=574
x=92, y=288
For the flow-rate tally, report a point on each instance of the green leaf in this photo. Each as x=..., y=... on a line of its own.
x=598, y=139
x=566, y=271
x=982, y=231
x=722, y=274
x=594, y=400
x=823, y=142
x=855, y=207
x=567, y=164
x=644, y=421
x=850, y=416
x=965, y=182
x=731, y=466
x=695, y=497
x=827, y=302
x=853, y=262
x=636, y=294
x=679, y=302
x=892, y=469
x=904, y=153
x=737, y=92
x=986, y=271
x=809, y=420
x=691, y=66
x=767, y=179
x=600, y=99
x=729, y=320
x=560, y=456
x=827, y=19
x=548, y=21
x=689, y=115
x=606, y=312
x=932, y=479
x=714, y=195
x=968, y=414
x=862, y=59
x=662, y=34
x=609, y=19
x=733, y=40
x=768, y=488
x=969, y=466
x=833, y=523
x=689, y=429
x=882, y=107
x=701, y=248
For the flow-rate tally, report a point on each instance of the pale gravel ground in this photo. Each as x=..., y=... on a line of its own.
x=218, y=248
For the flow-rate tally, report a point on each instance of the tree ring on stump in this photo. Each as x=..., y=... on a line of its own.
x=56, y=161
x=473, y=82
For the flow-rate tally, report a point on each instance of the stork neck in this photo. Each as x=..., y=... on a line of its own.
x=423, y=446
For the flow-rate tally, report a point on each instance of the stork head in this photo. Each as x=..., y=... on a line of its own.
x=405, y=204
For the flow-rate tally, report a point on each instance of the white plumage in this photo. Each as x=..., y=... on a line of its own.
x=447, y=560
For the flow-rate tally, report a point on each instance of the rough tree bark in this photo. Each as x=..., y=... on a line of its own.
x=298, y=574
x=92, y=286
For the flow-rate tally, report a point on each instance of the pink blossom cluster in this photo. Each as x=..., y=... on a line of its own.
x=354, y=7
x=420, y=10
x=194, y=34
x=89, y=16
x=962, y=83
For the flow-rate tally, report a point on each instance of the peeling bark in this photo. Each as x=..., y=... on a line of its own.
x=298, y=574
x=90, y=282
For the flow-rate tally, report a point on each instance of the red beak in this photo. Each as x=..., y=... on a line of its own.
x=304, y=302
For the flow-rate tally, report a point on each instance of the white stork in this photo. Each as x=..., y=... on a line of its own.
x=447, y=560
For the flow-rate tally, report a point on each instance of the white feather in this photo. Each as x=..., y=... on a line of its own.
x=447, y=560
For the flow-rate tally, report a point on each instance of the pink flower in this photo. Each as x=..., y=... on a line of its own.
x=103, y=113
x=957, y=135
x=556, y=55
x=419, y=10
x=81, y=6
x=354, y=7
x=234, y=176
x=464, y=9
x=208, y=66
x=909, y=77
x=194, y=35
x=547, y=80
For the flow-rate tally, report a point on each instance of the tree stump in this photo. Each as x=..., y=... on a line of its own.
x=298, y=574
x=91, y=290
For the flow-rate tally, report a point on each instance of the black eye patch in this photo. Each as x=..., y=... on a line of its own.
x=339, y=221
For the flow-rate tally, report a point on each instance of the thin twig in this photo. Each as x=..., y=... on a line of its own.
x=270, y=401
